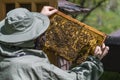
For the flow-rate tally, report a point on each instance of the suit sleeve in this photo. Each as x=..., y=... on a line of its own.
x=91, y=69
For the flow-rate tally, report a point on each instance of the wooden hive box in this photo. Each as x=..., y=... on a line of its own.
x=32, y=5
x=71, y=39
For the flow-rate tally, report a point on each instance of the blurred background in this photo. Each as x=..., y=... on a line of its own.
x=103, y=14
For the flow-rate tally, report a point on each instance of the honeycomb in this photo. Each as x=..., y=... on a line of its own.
x=71, y=39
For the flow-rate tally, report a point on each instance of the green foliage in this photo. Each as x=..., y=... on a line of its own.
x=106, y=21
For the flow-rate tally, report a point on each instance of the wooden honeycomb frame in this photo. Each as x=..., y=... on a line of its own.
x=71, y=39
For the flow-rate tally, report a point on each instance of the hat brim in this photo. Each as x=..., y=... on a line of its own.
x=39, y=26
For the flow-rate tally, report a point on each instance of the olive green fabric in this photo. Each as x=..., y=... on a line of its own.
x=21, y=25
x=34, y=65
